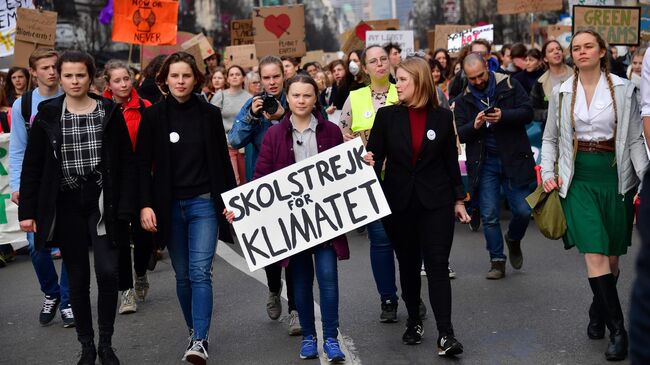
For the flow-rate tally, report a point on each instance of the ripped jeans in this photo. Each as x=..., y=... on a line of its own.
x=192, y=244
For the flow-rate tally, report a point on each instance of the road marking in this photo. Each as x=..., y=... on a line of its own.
x=347, y=344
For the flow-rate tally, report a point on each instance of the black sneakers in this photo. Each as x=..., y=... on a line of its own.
x=198, y=353
x=48, y=312
x=67, y=317
x=388, y=312
x=107, y=356
x=413, y=334
x=449, y=346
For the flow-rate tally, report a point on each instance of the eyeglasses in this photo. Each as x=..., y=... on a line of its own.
x=375, y=61
x=420, y=54
x=481, y=53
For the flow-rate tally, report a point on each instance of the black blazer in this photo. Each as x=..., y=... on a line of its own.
x=41, y=175
x=153, y=153
x=435, y=177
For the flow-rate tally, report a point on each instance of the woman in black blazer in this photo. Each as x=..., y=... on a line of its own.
x=417, y=142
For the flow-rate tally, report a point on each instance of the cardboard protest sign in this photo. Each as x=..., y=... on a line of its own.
x=590, y=3
x=457, y=40
x=201, y=43
x=560, y=33
x=151, y=22
x=619, y=25
x=328, y=57
x=402, y=37
x=10, y=232
x=243, y=56
x=645, y=22
x=147, y=53
x=34, y=29
x=241, y=32
x=279, y=31
x=355, y=38
x=431, y=40
x=305, y=204
x=527, y=6
x=313, y=56
x=383, y=24
x=443, y=31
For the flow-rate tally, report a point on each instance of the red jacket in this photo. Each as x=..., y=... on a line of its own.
x=131, y=112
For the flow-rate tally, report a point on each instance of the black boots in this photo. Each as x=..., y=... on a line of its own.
x=105, y=351
x=609, y=308
x=596, y=326
x=88, y=354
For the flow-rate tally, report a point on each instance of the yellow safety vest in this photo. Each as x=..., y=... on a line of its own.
x=363, y=111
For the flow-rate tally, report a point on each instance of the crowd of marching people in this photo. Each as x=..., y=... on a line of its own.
x=132, y=163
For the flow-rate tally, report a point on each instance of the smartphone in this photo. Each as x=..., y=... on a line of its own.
x=489, y=110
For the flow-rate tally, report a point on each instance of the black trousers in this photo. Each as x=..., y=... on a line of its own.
x=418, y=235
x=142, y=251
x=274, y=281
x=76, y=229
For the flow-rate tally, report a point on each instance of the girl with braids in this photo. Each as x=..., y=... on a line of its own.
x=593, y=132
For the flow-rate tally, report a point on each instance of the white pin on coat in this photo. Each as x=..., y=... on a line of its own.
x=174, y=137
x=431, y=134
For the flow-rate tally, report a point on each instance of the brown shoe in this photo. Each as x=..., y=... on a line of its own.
x=514, y=252
x=497, y=270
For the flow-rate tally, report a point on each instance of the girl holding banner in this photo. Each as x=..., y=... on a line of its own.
x=416, y=141
x=302, y=133
x=180, y=196
x=593, y=133
x=77, y=190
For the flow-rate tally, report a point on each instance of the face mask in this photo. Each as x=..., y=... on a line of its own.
x=354, y=68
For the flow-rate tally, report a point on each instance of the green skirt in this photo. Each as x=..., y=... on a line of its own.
x=599, y=219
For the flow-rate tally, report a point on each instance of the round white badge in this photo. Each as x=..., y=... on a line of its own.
x=367, y=114
x=431, y=134
x=174, y=137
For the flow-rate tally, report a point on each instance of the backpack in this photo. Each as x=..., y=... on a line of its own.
x=26, y=109
x=4, y=122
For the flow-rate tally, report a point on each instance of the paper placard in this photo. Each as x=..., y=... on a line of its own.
x=147, y=53
x=443, y=31
x=202, y=44
x=241, y=32
x=312, y=56
x=456, y=41
x=619, y=25
x=34, y=29
x=527, y=6
x=383, y=24
x=10, y=232
x=305, y=204
x=645, y=22
x=328, y=57
x=243, y=56
x=153, y=22
x=279, y=31
x=402, y=37
x=560, y=33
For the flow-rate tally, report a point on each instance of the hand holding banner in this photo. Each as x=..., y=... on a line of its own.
x=305, y=204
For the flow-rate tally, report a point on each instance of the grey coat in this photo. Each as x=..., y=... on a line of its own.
x=631, y=157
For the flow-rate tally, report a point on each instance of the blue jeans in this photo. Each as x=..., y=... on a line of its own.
x=192, y=243
x=46, y=273
x=302, y=266
x=382, y=261
x=491, y=180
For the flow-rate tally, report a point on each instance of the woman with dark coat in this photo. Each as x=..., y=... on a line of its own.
x=417, y=142
x=77, y=188
x=183, y=167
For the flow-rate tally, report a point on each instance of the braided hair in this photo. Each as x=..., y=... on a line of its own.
x=604, y=67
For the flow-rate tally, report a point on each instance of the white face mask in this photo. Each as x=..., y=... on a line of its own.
x=354, y=68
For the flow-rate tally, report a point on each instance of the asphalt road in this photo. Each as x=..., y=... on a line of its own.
x=536, y=315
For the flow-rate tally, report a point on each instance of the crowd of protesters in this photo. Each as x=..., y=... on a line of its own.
x=131, y=163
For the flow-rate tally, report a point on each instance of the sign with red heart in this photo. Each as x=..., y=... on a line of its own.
x=279, y=30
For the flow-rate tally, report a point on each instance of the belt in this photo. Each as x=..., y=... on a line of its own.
x=600, y=146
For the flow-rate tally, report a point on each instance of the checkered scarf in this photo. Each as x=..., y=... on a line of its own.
x=81, y=146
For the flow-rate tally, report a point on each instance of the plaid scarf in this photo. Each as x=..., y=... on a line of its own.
x=81, y=146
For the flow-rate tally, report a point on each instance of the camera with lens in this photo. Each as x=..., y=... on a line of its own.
x=269, y=103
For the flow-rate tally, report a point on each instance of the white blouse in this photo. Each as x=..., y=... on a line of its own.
x=596, y=122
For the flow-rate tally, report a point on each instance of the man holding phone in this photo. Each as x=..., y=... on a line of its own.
x=491, y=116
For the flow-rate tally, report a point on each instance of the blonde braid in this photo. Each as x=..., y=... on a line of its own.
x=576, y=72
x=610, y=84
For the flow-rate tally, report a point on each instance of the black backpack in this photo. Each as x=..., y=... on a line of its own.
x=4, y=122
x=26, y=109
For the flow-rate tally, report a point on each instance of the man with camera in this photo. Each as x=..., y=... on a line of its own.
x=256, y=116
x=491, y=116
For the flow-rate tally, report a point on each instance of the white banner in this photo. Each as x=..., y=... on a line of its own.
x=404, y=38
x=305, y=204
x=456, y=41
x=8, y=19
x=9, y=228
